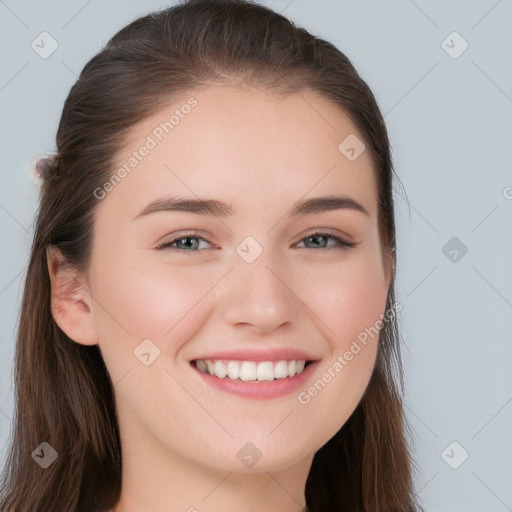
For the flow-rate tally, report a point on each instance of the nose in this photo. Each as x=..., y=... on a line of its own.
x=259, y=295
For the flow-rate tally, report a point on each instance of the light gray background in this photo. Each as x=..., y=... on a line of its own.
x=450, y=123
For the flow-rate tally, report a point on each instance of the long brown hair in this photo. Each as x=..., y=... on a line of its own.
x=64, y=395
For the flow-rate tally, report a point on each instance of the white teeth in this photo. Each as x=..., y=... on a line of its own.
x=220, y=369
x=265, y=371
x=233, y=370
x=281, y=370
x=247, y=371
x=251, y=370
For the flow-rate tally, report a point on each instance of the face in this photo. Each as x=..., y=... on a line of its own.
x=274, y=297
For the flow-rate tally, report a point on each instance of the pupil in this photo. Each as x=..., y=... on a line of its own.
x=316, y=237
x=189, y=239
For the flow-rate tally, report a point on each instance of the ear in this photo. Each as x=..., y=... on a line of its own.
x=70, y=300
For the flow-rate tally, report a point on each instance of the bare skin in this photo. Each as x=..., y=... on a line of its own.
x=180, y=436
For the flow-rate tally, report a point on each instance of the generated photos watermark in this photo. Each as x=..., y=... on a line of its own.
x=342, y=360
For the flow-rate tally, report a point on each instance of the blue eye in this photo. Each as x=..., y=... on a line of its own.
x=189, y=247
x=339, y=241
x=193, y=247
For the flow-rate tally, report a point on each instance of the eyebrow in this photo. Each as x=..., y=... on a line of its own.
x=218, y=208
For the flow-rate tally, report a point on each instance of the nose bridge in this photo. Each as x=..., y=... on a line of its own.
x=256, y=292
x=258, y=269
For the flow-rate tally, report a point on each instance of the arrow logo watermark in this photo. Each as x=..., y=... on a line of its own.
x=352, y=147
x=454, y=249
x=45, y=455
x=249, y=455
x=146, y=352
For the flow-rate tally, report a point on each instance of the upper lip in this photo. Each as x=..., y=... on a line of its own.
x=266, y=354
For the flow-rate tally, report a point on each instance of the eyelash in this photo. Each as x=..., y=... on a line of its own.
x=340, y=242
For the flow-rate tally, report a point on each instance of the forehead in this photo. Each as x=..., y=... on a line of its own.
x=242, y=143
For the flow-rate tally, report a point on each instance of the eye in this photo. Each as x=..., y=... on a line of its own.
x=189, y=242
x=318, y=236
x=183, y=239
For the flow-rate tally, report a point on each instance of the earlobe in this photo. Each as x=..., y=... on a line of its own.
x=71, y=302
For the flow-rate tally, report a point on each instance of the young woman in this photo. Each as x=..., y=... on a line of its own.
x=209, y=319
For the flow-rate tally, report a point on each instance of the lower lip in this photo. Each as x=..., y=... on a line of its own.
x=259, y=389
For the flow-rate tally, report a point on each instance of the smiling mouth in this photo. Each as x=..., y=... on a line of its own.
x=251, y=371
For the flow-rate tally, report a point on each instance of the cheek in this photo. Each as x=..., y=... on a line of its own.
x=136, y=302
x=348, y=300
x=350, y=307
